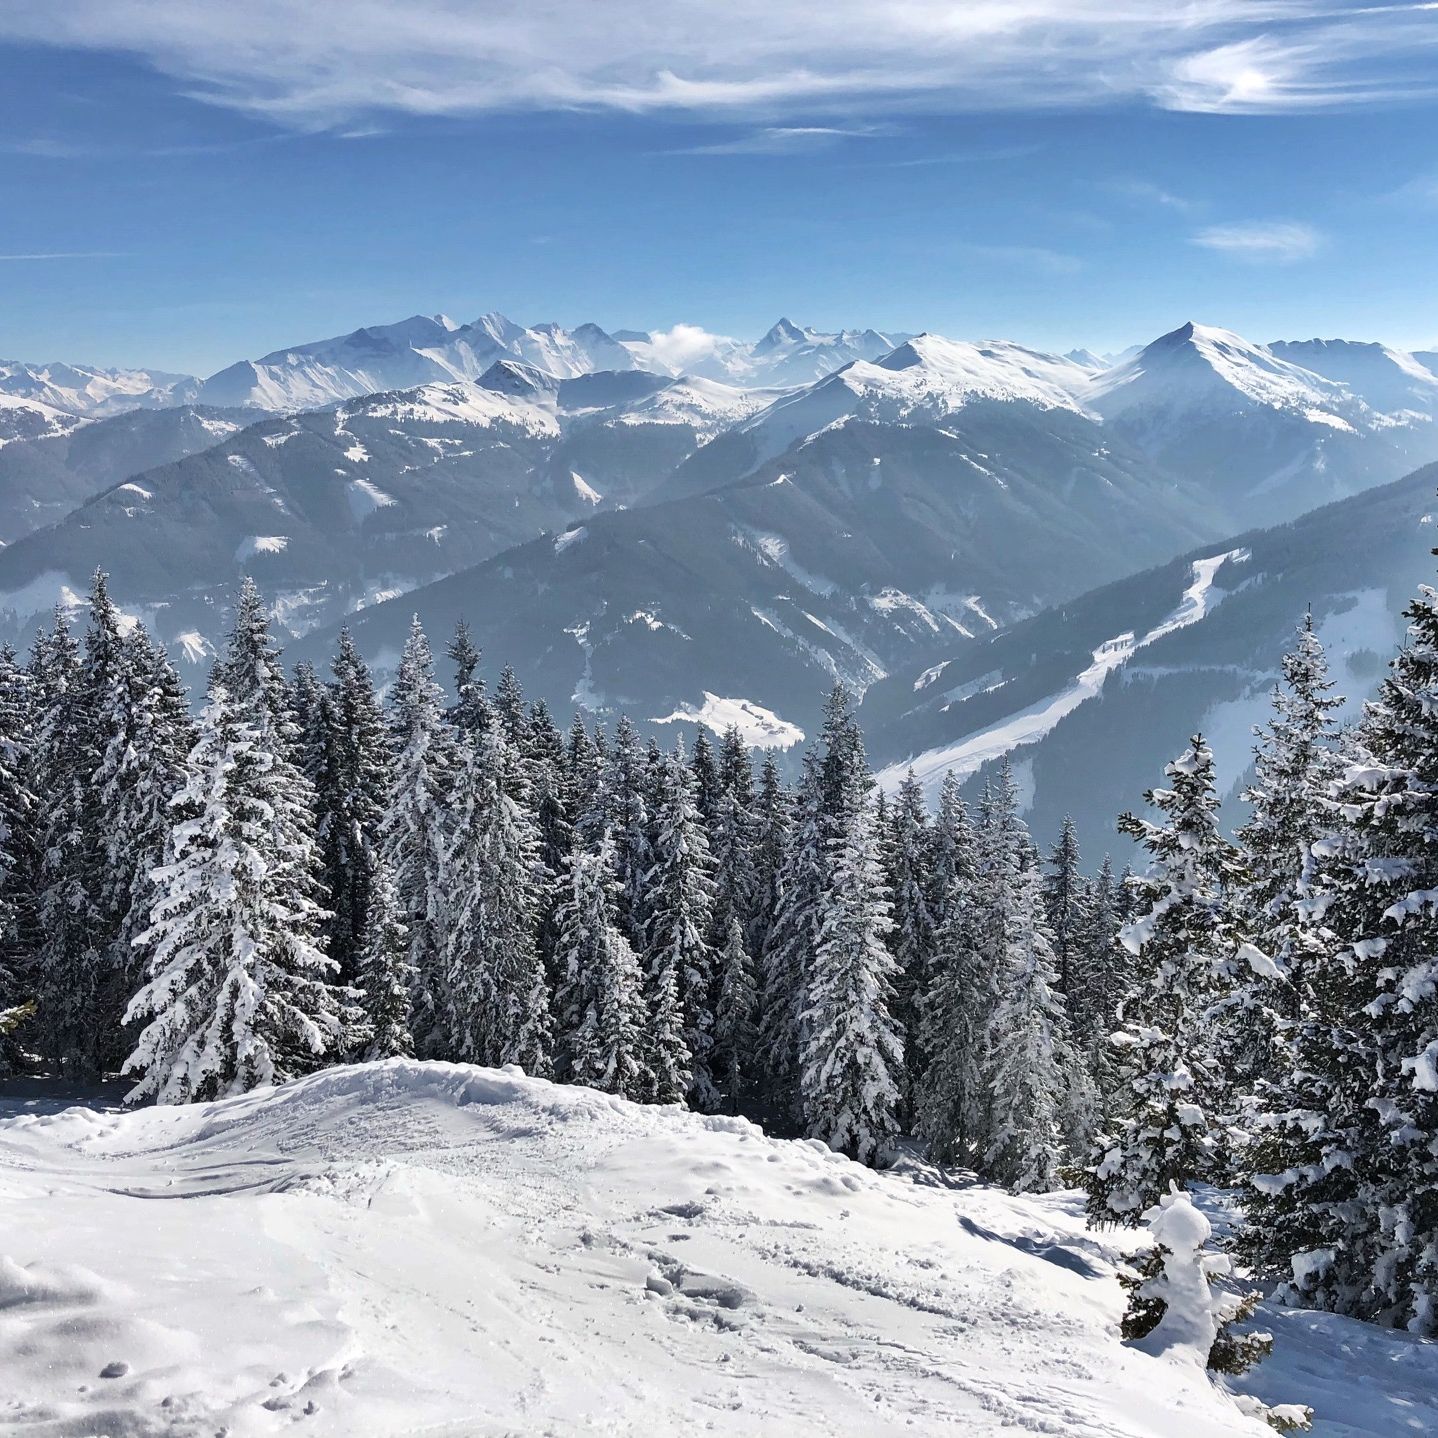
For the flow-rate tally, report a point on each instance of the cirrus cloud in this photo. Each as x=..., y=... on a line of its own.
x=1278, y=241
x=321, y=66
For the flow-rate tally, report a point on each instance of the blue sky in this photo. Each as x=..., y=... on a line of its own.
x=183, y=184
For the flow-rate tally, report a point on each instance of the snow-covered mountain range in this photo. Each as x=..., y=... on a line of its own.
x=674, y=523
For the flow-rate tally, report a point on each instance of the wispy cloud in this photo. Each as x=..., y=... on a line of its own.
x=787, y=140
x=66, y=255
x=1274, y=241
x=1145, y=192
x=326, y=66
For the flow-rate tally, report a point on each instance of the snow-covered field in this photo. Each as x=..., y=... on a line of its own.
x=435, y=1249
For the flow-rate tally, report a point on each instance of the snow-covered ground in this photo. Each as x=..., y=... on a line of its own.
x=427, y=1248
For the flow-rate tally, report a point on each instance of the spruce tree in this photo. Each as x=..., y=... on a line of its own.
x=912, y=937
x=1032, y=1071
x=734, y=1030
x=1064, y=898
x=601, y=1002
x=497, y=1007
x=70, y=961
x=852, y=1052
x=471, y=713
x=414, y=826
x=239, y=990
x=1353, y=1207
x=351, y=799
x=772, y=811
x=383, y=973
x=679, y=959
x=1295, y=766
x=19, y=857
x=789, y=948
x=1171, y=1099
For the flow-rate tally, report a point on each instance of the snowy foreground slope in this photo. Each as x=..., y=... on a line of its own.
x=415, y=1248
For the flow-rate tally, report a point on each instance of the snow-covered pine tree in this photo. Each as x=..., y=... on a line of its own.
x=383, y=973
x=678, y=956
x=1295, y=766
x=544, y=756
x=1173, y=1310
x=951, y=1103
x=734, y=1032
x=907, y=853
x=140, y=773
x=1171, y=1095
x=471, y=712
x=70, y=960
x=789, y=949
x=19, y=857
x=585, y=781
x=497, y=1008
x=1097, y=965
x=1064, y=898
x=1356, y=1207
x=1033, y=1075
x=603, y=1013
x=852, y=1052
x=772, y=809
x=413, y=833
x=951, y=859
x=509, y=706
x=350, y=802
x=707, y=784
x=732, y=842
x=623, y=792
x=239, y=991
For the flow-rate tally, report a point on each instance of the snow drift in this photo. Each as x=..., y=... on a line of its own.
x=412, y=1247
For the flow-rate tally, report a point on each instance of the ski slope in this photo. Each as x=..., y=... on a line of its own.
x=412, y=1248
x=969, y=754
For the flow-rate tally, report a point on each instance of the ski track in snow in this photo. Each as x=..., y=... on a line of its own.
x=413, y=1248
x=971, y=753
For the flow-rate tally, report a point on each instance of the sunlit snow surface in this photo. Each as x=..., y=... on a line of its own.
x=426, y=1248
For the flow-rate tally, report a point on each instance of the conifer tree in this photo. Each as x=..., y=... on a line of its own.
x=912, y=937
x=1295, y=766
x=414, y=826
x=678, y=957
x=601, y=1000
x=509, y=706
x=789, y=949
x=1064, y=898
x=351, y=798
x=1033, y=1073
x=1346, y=1177
x=951, y=862
x=70, y=958
x=1171, y=1102
x=239, y=991
x=852, y=1051
x=1093, y=1002
x=497, y=1007
x=471, y=712
x=19, y=858
x=623, y=792
x=772, y=809
x=734, y=1033
x=384, y=976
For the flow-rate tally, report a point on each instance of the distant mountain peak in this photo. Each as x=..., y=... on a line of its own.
x=783, y=332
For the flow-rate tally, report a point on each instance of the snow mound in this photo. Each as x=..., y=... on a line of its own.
x=408, y=1247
